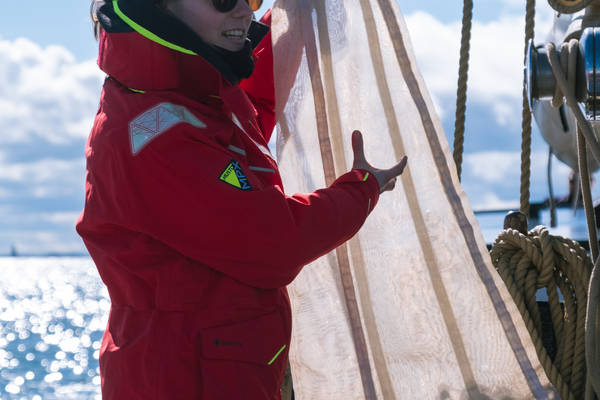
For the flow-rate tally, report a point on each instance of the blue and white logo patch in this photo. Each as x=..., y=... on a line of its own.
x=157, y=120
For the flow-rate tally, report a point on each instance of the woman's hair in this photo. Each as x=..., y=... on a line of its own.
x=96, y=25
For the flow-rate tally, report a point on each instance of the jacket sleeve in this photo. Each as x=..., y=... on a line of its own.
x=260, y=237
x=260, y=87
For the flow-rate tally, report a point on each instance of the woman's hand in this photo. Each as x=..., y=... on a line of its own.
x=385, y=177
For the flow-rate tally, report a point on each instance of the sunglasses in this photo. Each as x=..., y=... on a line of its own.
x=228, y=5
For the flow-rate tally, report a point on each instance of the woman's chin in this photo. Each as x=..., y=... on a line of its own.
x=232, y=44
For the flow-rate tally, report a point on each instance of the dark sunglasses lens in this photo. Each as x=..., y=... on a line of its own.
x=228, y=5
x=224, y=5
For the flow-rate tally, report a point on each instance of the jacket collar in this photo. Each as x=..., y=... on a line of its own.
x=145, y=48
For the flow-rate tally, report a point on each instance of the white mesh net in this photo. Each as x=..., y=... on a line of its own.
x=411, y=307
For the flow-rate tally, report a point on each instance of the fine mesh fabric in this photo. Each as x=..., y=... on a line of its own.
x=411, y=307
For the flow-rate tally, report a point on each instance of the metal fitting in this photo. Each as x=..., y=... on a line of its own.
x=589, y=50
x=541, y=83
x=569, y=6
x=540, y=80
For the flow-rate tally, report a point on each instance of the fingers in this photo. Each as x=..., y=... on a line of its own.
x=392, y=173
x=390, y=185
x=399, y=168
x=358, y=149
x=386, y=178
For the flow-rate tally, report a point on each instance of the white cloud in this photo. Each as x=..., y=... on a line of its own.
x=59, y=218
x=46, y=177
x=492, y=178
x=46, y=241
x=46, y=96
x=62, y=218
x=491, y=201
x=436, y=48
x=495, y=64
x=514, y=3
x=498, y=167
x=493, y=167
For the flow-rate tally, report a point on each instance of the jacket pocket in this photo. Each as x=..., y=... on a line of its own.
x=245, y=360
x=259, y=341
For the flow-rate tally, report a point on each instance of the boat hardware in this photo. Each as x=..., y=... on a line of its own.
x=589, y=47
x=541, y=83
x=569, y=6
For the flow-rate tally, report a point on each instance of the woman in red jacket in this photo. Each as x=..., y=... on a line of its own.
x=185, y=214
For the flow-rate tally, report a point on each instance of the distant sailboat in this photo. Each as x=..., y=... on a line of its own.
x=13, y=251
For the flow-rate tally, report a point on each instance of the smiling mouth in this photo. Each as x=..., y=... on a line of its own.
x=236, y=34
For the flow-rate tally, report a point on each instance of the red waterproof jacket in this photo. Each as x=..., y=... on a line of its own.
x=186, y=218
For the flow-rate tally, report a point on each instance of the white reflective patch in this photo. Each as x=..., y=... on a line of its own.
x=261, y=169
x=237, y=122
x=236, y=149
x=157, y=120
x=263, y=149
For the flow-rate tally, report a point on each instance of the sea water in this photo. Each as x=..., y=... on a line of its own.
x=53, y=311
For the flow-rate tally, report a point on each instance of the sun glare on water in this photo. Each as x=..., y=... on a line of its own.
x=53, y=311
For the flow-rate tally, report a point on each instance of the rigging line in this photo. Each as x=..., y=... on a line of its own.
x=456, y=204
x=584, y=173
x=341, y=165
x=583, y=125
x=358, y=336
x=575, y=200
x=425, y=241
x=461, y=91
x=526, y=118
x=551, y=203
x=584, y=176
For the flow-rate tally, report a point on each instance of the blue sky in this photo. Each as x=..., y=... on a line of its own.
x=49, y=86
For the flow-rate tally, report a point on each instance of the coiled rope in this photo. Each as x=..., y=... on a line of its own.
x=526, y=119
x=461, y=91
x=592, y=327
x=528, y=262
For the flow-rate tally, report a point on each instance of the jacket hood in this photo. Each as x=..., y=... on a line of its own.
x=145, y=48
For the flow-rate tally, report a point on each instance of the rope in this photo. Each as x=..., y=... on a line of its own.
x=551, y=204
x=584, y=176
x=538, y=260
x=569, y=94
x=526, y=121
x=575, y=201
x=592, y=325
x=461, y=91
x=567, y=65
